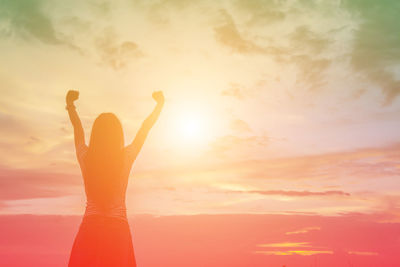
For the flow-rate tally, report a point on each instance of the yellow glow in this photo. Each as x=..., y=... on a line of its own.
x=286, y=244
x=295, y=252
x=192, y=126
x=291, y=252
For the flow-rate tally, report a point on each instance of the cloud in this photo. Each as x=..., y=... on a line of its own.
x=285, y=245
x=304, y=39
x=306, y=48
x=293, y=248
x=376, y=43
x=303, y=230
x=261, y=12
x=234, y=90
x=295, y=193
x=302, y=47
x=294, y=252
x=116, y=54
x=311, y=69
x=333, y=170
x=241, y=92
x=27, y=18
x=367, y=163
x=228, y=35
x=240, y=126
x=18, y=184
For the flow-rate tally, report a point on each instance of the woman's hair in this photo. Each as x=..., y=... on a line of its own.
x=107, y=135
x=105, y=155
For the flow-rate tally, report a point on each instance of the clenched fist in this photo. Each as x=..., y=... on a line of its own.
x=72, y=95
x=158, y=96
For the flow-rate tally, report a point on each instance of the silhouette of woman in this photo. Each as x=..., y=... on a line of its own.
x=104, y=238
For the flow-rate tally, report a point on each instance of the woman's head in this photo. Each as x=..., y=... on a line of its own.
x=107, y=135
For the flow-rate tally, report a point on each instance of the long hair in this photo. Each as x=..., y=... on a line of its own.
x=105, y=156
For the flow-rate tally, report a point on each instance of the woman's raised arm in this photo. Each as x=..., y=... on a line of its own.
x=79, y=135
x=137, y=143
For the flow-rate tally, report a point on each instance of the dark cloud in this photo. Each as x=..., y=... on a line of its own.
x=28, y=19
x=377, y=42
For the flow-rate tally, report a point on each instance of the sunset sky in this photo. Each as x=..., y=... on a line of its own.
x=272, y=107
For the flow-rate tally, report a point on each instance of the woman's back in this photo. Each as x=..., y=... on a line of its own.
x=105, y=190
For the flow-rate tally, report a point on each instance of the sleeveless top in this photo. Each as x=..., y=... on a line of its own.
x=115, y=207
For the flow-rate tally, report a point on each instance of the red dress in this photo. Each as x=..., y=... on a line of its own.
x=104, y=238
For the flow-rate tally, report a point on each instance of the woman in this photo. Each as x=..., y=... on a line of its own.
x=104, y=238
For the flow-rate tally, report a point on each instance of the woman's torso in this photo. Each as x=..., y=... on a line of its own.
x=105, y=195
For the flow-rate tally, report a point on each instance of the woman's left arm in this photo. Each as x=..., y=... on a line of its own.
x=79, y=134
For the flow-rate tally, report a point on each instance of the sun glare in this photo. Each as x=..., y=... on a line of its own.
x=192, y=127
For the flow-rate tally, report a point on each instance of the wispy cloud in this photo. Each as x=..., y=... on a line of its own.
x=27, y=184
x=295, y=193
x=116, y=54
x=303, y=230
x=293, y=252
x=228, y=34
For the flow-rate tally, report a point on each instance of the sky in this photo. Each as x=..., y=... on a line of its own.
x=282, y=108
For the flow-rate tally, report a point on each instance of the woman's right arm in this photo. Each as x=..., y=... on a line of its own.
x=136, y=145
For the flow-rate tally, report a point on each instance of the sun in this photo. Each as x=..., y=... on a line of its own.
x=192, y=127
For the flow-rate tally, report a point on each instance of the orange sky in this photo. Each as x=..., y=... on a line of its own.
x=268, y=109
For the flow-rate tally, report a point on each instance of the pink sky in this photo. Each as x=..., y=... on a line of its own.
x=216, y=240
